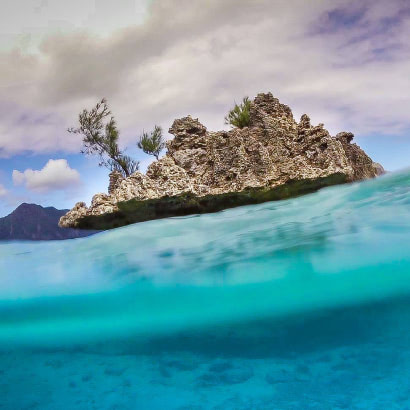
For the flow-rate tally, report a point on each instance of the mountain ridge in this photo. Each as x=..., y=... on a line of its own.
x=34, y=222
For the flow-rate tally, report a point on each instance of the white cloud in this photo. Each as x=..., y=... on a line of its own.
x=56, y=175
x=3, y=191
x=345, y=63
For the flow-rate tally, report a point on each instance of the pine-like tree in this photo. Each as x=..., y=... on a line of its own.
x=100, y=137
x=240, y=116
x=152, y=143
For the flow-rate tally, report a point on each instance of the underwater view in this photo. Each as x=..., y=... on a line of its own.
x=295, y=304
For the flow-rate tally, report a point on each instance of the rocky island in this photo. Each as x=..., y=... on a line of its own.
x=273, y=158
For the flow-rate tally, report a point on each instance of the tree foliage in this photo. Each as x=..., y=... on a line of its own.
x=239, y=116
x=152, y=143
x=100, y=137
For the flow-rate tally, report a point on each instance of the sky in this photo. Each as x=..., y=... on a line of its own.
x=345, y=63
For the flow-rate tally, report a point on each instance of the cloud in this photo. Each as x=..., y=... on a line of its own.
x=3, y=191
x=344, y=63
x=56, y=175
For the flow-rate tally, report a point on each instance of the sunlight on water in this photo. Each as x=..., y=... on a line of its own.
x=293, y=304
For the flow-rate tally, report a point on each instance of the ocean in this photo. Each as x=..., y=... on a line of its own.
x=296, y=304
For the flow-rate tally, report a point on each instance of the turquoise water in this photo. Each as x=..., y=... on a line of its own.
x=298, y=304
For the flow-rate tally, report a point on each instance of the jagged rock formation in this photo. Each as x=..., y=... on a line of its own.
x=273, y=152
x=115, y=181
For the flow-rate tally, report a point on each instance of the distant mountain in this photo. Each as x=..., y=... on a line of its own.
x=33, y=222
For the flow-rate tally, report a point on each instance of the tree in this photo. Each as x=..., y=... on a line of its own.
x=152, y=143
x=100, y=137
x=240, y=115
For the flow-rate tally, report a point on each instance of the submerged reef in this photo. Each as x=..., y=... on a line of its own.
x=273, y=158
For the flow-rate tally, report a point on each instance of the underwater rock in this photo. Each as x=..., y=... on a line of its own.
x=273, y=152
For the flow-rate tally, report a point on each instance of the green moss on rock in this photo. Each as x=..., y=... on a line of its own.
x=187, y=204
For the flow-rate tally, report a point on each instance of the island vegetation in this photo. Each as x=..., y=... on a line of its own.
x=152, y=143
x=240, y=115
x=101, y=137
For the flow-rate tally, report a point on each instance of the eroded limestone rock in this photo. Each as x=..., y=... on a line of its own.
x=70, y=218
x=274, y=150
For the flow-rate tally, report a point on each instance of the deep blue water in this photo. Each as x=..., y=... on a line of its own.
x=298, y=304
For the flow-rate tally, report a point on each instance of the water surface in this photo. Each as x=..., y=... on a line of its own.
x=295, y=304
